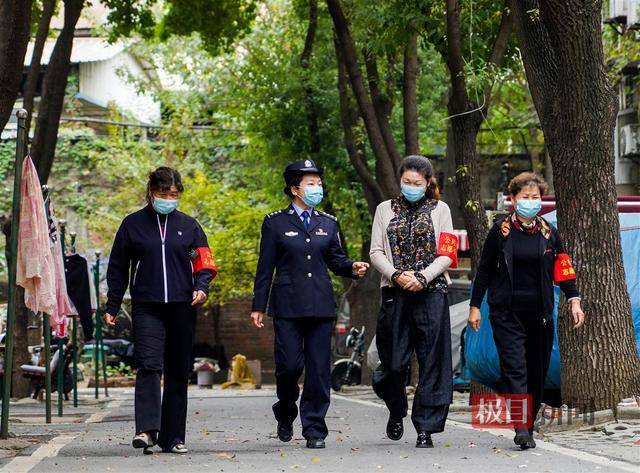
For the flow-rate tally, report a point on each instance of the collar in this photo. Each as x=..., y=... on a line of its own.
x=299, y=210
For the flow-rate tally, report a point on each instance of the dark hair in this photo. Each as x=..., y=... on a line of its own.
x=293, y=180
x=525, y=179
x=422, y=166
x=162, y=179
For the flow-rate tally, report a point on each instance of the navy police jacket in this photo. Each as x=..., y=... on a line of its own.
x=160, y=258
x=302, y=286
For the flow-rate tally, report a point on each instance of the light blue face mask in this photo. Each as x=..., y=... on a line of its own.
x=164, y=206
x=528, y=208
x=312, y=195
x=412, y=193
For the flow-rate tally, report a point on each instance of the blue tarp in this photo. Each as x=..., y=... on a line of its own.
x=481, y=354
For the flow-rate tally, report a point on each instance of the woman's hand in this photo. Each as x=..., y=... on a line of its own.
x=109, y=319
x=198, y=297
x=577, y=313
x=360, y=268
x=411, y=283
x=257, y=319
x=474, y=318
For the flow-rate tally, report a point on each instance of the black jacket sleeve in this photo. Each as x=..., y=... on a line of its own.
x=569, y=288
x=487, y=266
x=118, y=270
x=266, y=265
x=204, y=276
x=336, y=257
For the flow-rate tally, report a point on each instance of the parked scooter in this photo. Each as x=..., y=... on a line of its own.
x=348, y=371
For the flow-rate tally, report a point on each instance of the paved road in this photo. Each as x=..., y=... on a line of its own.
x=234, y=431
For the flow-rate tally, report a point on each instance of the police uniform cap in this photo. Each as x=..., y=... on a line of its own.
x=302, y=166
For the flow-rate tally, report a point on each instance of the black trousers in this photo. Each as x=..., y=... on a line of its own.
x=303, y=344
x=163, y=338
x=417, y=321
x=524, y=341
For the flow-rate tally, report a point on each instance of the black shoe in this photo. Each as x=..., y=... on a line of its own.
x=285, y=432
x=315, y=443
x=521, y=438
x=530, y=443
x=395, y=428
x=424, y=440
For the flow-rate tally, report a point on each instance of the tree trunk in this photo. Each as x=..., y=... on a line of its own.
x=48, y=7
x=21, y=355
x=448, y=187
x=564, y=63
x=464, y=130
x=466, y=118
x=364, y=305
x=409, y=96
x=15, y=25
x=382, y=106
x=53, y=90
x=385, y=167
x=305, y=59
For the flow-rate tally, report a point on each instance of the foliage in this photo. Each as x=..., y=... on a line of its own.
x=218, y=23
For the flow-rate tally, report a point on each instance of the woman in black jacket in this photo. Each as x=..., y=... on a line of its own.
x=162, y=255
x=522, y=258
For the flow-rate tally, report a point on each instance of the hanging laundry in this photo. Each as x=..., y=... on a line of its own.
x=64, y=306
x=35, y=266
x=79, y=289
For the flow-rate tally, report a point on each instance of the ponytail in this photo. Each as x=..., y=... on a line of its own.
x=433, y=191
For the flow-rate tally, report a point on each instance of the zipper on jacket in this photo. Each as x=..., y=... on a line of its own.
x=135, y=273
x=163, y=237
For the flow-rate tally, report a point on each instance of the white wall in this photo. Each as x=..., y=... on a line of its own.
x=103, y=82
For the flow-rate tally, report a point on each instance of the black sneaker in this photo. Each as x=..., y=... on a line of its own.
x=395, y=428
x=424, y=440
x=285, y=432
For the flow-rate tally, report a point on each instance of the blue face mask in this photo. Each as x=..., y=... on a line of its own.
x=164, y=206
x=528, y=208
x=412, y=193
x=312, y=195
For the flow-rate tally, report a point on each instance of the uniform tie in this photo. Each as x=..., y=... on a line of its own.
x=306, y=219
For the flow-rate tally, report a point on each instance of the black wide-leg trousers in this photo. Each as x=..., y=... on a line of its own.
x=408, y=322
x=163, y=339
x=524, y=341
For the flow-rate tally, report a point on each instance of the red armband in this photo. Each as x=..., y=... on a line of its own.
x=448, y=246
x=563, y=269
x=204, y=260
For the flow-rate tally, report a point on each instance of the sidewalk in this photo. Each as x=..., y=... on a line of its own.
x=235, y=431
x=615, y=440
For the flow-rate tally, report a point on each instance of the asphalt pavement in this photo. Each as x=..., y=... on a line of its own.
x=231, y=431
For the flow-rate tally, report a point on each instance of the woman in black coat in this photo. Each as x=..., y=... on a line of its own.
x=162, y=256
x=523, y=257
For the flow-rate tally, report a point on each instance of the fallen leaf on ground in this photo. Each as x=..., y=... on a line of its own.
x=315, y=459
x=225, y=455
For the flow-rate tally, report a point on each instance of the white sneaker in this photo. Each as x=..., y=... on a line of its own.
x=179, y=448
x=142, y=440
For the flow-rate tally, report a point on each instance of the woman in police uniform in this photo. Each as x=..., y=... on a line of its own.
x=522, y=258
x=300, y=242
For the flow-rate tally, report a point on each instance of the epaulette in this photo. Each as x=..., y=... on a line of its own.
x=273, y=214
x=332, y=217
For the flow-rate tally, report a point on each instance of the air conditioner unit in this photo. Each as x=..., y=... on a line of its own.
x=624, y=11
x=630, y=141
